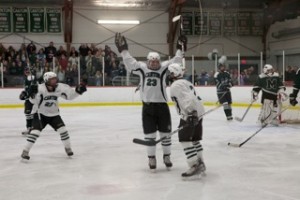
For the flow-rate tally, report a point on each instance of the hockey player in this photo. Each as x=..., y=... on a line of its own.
x=223, y=84
x=189, y=106
x=44, y=98
x=296, y=88
x=155, y=112
x=29, y=79
x=272, y=87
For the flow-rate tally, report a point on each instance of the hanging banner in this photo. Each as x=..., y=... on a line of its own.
x=20, y=20
x=244, y=19
x=37, y=20
x=229, y=24
x=53, y=18
x=257, y=24
x=5, y=20
x=215, y=23
x=201, y=23
x=187, y=23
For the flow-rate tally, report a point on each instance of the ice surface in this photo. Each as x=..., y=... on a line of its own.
x=108, y=166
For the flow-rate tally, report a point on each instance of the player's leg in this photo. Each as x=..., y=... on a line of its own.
x=185, y=138
x=149, y=127
x=37, y=126
x=197, y=137
x=226, y=100
x=29, y=117
x=265, y=111
x=164, y=127
x=59, y=126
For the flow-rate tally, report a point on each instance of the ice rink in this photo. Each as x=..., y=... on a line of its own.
x=108, y=166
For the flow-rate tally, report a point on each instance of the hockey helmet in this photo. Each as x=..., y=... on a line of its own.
x=48, y=77
x=268, y=69
x=153, y=62
x=176, y=70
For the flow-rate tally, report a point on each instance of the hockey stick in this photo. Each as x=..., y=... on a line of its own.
x=154, y=142
x=248, y=108
x=175, y=19
x=261, y=128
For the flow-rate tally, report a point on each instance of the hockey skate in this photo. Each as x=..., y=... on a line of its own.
x=202, y=166
x=25, y=155
x=152, y=163
x=69, y=151
x=229, y=118
x=167, y=161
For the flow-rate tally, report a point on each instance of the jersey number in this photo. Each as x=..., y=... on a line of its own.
x=151, y=82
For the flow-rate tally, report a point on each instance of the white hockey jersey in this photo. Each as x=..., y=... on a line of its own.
x=186, y=99
x=46, y=102
x=153, y=82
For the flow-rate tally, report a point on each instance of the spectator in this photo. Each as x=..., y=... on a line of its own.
x=31, y=48
x=99, y=78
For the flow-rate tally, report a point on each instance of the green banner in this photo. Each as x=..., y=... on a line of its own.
x=201, y=23
x=5, y=20
x=187, y=23
x=37, y=20
x=257, y=24
x=215, y=23
x=229, y=24
x=244, y=20
x=53, y=18
x=20, y=20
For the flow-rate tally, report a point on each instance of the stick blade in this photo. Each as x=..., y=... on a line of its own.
x=176, y=18
x=233, y=145
x=144, y=142
x=238, y=119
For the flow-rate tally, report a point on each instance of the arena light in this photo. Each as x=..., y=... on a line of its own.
x=118, y=21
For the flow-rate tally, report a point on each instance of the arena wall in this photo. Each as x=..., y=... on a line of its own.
x=117, y=96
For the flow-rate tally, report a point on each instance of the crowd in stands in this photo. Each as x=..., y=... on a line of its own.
x=89, y=60
x=66, y=65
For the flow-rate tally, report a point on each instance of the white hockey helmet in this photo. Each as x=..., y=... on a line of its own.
x=153, y=56
x=49, y=75
x=153, y=60
x=268, y=69
x=176, y=70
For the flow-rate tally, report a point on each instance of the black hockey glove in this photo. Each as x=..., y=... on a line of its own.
x=33, y=90
x=293, y=100
x=23, y=95
x=182, y=41
x=80, y=89
x=192, y=119
x=120, y=42
x=225, y=86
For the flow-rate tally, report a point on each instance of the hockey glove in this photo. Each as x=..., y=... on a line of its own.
x=33, y=90
x=254, y=95
x=226, y=86
x=23, y=95
x=192, y=119
x=120, y=42
x=80, y=89
x=293, y=100
x=182, y=42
